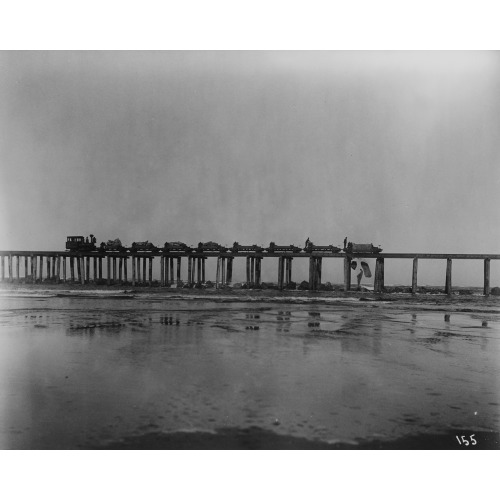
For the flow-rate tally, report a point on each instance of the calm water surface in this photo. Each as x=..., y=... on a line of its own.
x=82, y=371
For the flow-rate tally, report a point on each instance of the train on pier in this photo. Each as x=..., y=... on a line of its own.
x=89, y=244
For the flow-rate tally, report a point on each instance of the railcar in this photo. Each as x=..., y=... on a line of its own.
x=176, y=246
x=143, y=246
x=245, y=248
x=361, y=248
x=311, y=247
x=281, y=248
x=112, y=246
x=210, y=246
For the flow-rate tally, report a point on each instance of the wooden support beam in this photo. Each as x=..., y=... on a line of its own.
x=218, y=271
x=347, y=273
x=26, y=268
x=58, y=269
x=114, y=270
x=189, y=269
x=48, y=267
x=162, y=271
x=203, y=260
x=2, y=261
x=100, y=268
x=486, y=277
x=248, y=270
x=447, y=286
x=258, y=271
x=312, y=272
x=82, y=269
x=377, y=287
x=12, y=268
x=64, y=268
x=414, y=276
x=72, y=268
x=319, y=265
x=78, y=269
x=252, y=270
x=125, y=277
x=150, y=271
x=133, y=270
x=108, y=265
x=33, y=268
x=229, y=278
x=9, y=265
x=87, y=270
x=120, y=270
x=94, y=265
x=199, y=269
x=172, y=269
x=281, y=268
x=382, y=274
x=179, y=269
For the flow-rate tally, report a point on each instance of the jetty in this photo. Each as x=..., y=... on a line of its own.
x=137, y=268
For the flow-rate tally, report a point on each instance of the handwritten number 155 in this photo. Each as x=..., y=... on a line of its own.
x=463, y=440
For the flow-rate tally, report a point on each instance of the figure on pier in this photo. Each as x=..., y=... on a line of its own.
x=363, y=268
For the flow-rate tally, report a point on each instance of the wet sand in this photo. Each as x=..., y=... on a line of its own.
x=112, y=368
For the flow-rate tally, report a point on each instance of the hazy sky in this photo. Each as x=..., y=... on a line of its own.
x=401, y=149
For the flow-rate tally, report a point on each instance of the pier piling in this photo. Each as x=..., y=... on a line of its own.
x=414, y=276
x=447, y=287
x=347, y=273
x=218, y=271
x=83, y=270
x=486, y=290
x=78, y=269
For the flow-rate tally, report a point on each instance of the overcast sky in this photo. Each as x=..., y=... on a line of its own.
x=396, y=148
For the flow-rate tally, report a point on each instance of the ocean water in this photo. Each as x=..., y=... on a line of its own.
x=84, y=368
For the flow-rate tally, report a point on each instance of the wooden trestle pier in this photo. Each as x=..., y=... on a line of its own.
x=81, y=264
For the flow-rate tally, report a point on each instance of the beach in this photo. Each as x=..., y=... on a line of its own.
x=89, y=367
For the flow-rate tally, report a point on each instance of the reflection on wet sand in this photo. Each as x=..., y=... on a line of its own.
x=81, y=376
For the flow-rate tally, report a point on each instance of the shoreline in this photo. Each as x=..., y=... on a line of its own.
x=427, y=296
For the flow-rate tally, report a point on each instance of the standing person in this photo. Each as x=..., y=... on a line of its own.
x=361, y=266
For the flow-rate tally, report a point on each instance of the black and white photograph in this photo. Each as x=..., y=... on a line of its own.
x=249, y=250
